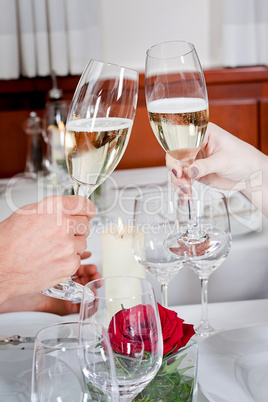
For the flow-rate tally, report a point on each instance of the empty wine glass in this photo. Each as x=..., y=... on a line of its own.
x=97, y=132
x=97, y=362
x=155, y=216
x=177, y=105
x=204, y=258
x=56, y=374
x=126, y=308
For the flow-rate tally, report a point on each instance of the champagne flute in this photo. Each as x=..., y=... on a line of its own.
x=99, y=123
x=204, y=258
x=126, y=308
x=97, y=132
x=177, y=105
x=155, y=215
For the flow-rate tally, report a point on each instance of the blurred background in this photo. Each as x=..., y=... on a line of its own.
x=39, y=38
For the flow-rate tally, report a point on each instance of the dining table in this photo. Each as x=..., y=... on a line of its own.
x=223, y=376
x=233, y=363
x=242, y=276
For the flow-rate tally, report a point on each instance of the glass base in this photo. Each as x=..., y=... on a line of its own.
x=69, y=290
x=204, y=244
x=204, y=331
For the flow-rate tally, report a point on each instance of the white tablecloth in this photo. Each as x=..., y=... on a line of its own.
x=223, y=316
x=238, y=290
x=243, y=276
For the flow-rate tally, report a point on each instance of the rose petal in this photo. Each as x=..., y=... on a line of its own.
x=134, y=330
x=188, y=332
x=173, y=330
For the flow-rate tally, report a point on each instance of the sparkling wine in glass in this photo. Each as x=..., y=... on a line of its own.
x=126, y=308
x=205, y=257
x=177, y=105
x=155, y=216
x=97, y=132
x=99, y=123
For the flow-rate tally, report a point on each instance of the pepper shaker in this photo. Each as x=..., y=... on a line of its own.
x=34, y=156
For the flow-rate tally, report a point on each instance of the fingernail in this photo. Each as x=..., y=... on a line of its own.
x=175, y=172
x=194, y=172
x=183, y=189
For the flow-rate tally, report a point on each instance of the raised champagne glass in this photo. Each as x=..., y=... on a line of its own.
x=177, y=105
x=97, y=132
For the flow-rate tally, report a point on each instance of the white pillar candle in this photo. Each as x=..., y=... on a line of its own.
x=118, y=260
x=117, y=256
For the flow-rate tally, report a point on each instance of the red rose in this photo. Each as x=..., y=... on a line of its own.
x=175, y=333
x=134, y=331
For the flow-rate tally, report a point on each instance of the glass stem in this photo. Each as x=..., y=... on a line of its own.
x=204, y=302
x=192, y=213
x=164, y=294
x=192, y=222
x=84, y=190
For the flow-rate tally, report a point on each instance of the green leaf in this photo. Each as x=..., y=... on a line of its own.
x=169, y=368
x=181, y=371
x=170, y=384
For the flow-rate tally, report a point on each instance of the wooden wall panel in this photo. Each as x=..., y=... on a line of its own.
x=239, y=117
x=235, y=91
x=238, y=102
x=13, y=142
x=143, y=149
x=264, y=125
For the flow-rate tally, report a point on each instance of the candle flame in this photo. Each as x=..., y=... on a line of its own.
x=120, y=227
x=61, y=126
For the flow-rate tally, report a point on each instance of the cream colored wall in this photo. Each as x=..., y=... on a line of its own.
x=130, y=27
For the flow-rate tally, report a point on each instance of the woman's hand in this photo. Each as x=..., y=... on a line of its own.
x=226, y=162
